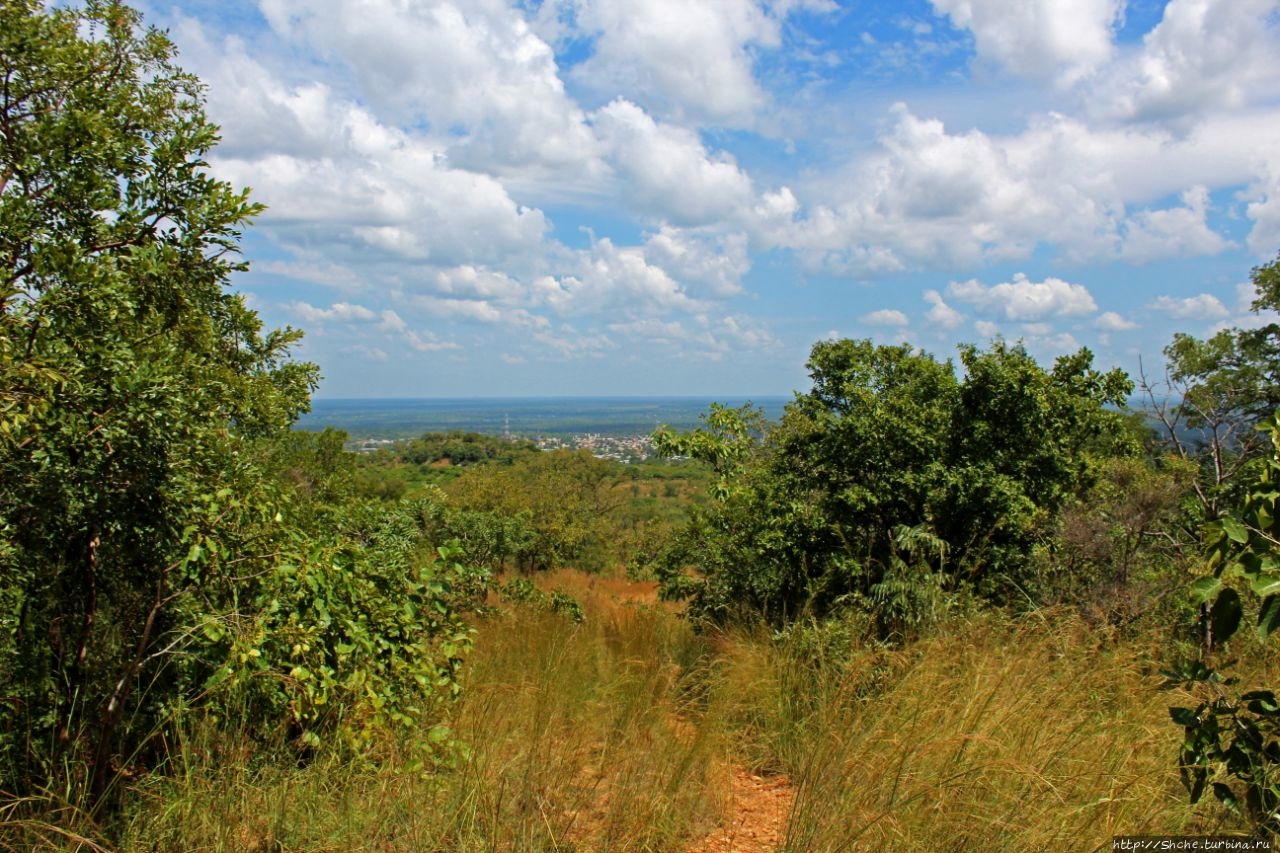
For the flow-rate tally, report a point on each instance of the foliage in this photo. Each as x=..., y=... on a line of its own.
x=166, y=544
x=462, y=448
x=564, y=497
x=353, y=632
x=520, y=590
x=1118, y=548
x=132, y=386
x=1214, y=392
x=1232, y=742
x=893, y=483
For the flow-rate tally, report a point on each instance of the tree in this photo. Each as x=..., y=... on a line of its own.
x=1022, y=441
x=559, y=504
x=133, y=386
x=1231, y=740
x=891, y=481
x=1215, y=391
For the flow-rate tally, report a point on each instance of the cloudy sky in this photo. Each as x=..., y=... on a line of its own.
x=632, y=197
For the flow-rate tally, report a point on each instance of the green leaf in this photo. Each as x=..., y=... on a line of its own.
x=1226, y=796
x=1269, y=616
x=1235, y=531
x=1184, y=716
x=1265, y=585
x=1261, y=702
x=1205, y=589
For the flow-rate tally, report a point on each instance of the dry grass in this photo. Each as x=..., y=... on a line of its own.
x=992, y=736
x=575, y=741
x=625, y=732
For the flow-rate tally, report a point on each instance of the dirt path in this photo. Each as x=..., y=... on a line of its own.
x=757, y=818
x=759, y=806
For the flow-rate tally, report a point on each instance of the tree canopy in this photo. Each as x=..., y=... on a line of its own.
x=133, y=381
x=892, y=478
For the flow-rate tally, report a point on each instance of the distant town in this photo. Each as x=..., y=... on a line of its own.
x=627, y=449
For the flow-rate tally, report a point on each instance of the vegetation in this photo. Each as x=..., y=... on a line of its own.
x=894, y=485
x=931, y=603
x=153, y=566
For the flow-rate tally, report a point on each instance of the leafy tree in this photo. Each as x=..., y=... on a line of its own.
x=566, y=499
x=133, y=386
x=1022, y=441
x=891, y=482
x=1215, y=391
x=1231, y=742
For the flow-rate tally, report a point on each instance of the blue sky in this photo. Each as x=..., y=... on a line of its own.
x=639, y=197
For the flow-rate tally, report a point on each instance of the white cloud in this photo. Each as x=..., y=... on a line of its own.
x=469, y=65
x=1264, y=210
x=1205, y=55
x=340, y=312
x=1110, y=321
x=368, y=352
x=1202, y=307
x=885, y=317
x=682, y=58
x=941, y=314
x=928, y=197
x=617, y=281
x=703, y=337
x=1173, y=232
x=715, y=262
x=384, y=189
x=1063, y=39
x=471, y=282
x=666, y=170
x=1024, y=300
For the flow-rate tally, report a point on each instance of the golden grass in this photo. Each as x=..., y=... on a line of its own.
x=990, y=736
x=623, y=733
x=575, y=741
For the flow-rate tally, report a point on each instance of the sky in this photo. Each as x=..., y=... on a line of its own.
x=680, y=197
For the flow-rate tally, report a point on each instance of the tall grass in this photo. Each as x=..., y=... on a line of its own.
x=621, y=734
x=991, y=735
x=574, y=740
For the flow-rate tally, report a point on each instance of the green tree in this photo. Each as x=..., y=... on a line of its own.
x=1022, y=441
x=565, y=498
x=1214, y=392
x=1231, y=740
x=891, y=482
x=133, y=386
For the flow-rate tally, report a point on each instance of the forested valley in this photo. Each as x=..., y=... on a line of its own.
x=940, y=603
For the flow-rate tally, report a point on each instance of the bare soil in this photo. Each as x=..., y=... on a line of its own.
x=757, y=818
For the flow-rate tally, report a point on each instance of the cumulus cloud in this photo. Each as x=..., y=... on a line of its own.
x=684, y=58
x=1204, y=55
x=1043, y=39
x=712, y=262
x=1205, y=306
x=372, y=185
x=1173, y=232
x=928, y=197
x=469, y=65
x=886, y=317
x=1110, y=321
x=667, y=170
x=1264, y=209
x=702, y=337
x=940, y=313
x=1024, y=300
x=342, y=312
